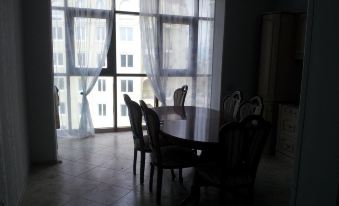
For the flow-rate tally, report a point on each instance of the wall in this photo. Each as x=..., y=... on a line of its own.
x=318, y=174
x=292, y=5
x=242, y=41
x=39, y=81
x=218, y=40
x=14, y=160
x=241, y=45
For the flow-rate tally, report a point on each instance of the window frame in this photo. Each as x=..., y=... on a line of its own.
x=110, y=69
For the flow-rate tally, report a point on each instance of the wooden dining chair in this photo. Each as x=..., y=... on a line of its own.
x=254, y=106
x=230, y=107
x=164, y=157
x=179, y=96
x=240, y=148
x=141, y=142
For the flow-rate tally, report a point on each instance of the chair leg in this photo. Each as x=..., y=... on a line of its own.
x=173, y=174
x=135, y=161
x=151, y=178
x=181, y=180
x=159, y=183
x=142, y=167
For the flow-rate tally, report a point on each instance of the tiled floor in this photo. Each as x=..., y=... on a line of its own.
x=98, y=171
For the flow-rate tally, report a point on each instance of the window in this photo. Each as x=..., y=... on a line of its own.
x=80, y=32
x=176, y=56
x=57, y=32
x=126, y=60
x=100, y=4
x=58, y=59
x=125, y=75
x=126, y=33
x=100, y=33
x=127, y=85
x=101, y=85
x=62, y=108
x=60, y=83
x=102, y=109
x=82, y=59
x=123, y=110
x=80, y=85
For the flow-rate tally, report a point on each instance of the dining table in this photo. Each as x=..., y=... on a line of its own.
x=190, y=126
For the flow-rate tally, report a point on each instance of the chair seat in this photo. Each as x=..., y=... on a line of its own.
x=146, y=146
x=214, y=176
x=176, y=157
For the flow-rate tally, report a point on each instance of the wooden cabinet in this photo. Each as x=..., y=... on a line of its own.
x=279, y=70
x=287, y=130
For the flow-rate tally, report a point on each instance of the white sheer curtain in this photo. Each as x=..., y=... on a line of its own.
x=177, y=45
x=87, y=33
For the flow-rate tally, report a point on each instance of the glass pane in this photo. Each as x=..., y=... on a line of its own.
x=128, y=45
x=127, y=5
x=206, y=8
x=177, y=7
x=91, y=4
x=100, y=103
x=58, y=35
x=174, y=83
x=142, y=89
x=176, y=46
x=205, y=47
x=57, y=2
x=203, y=91
x=60, y=82
x=88, y=51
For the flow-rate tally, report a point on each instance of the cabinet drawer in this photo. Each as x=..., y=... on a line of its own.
x=287, y=147
x=289, y=111
x=289, y=126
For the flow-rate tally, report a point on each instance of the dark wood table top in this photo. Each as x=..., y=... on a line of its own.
x=196, y=127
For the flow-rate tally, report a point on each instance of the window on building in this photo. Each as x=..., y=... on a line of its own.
x=102, y=109
x=62, y=108
x=80, y=32
x=126, y=60
x=58, y=59
x=60, y=83
x=123, y=110
x=100, y=33
x=57, y=32
x=100, y=4
x=127, y=85
x=101, y=85
x=82, y=59
x=126, y=33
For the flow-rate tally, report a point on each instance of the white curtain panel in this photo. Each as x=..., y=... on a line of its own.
x=177, y=45
x=81, y=33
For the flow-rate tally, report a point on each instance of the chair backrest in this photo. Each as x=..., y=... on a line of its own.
x=230, y=107
x=135, y=118
x=179, y=96
x=252, y=107
x=153, y=129
x=242, y=145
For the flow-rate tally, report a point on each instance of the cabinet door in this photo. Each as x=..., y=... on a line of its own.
x=268, y=55
x=2, y=172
